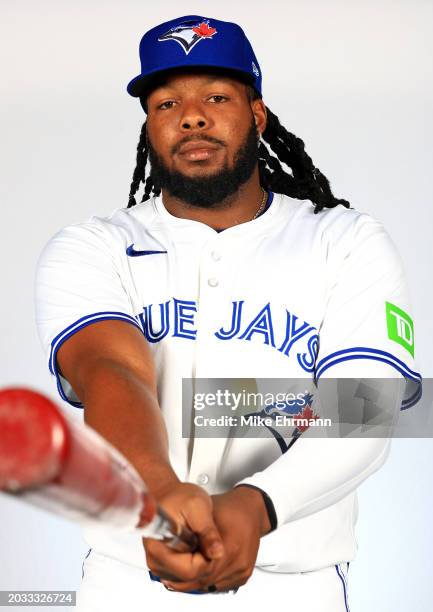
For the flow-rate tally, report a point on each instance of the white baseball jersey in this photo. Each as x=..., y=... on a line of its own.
x=290, y=294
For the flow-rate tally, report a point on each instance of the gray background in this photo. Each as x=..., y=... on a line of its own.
x=353, y=79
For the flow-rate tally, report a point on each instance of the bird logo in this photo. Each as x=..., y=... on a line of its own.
x=189, y=33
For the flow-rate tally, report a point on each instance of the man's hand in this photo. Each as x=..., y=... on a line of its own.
x=241, y=517
x=189, y=505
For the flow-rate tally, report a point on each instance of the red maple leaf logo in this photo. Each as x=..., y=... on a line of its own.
x=308, y=414
x=204, y=30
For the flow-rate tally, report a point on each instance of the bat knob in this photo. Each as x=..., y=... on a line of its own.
x=32, y=441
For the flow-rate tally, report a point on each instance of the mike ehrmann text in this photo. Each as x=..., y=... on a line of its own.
x=279, y=420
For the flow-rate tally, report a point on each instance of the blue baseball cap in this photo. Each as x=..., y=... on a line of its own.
x=194, y=41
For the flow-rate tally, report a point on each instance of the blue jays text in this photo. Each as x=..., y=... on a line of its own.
x=179, y=320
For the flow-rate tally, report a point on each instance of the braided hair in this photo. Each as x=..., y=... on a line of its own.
x=305, y=183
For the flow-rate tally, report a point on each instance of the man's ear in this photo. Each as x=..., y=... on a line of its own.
x=258, y=108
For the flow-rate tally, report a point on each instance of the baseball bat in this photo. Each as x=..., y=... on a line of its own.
x=61, y=465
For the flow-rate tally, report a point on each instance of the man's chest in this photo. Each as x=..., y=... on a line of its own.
x=231, y=297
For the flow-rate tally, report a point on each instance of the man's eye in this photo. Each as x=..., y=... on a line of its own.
x=164, y=104
x=219, y=98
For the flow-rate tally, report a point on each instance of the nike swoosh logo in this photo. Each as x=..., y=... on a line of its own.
x=131, y=252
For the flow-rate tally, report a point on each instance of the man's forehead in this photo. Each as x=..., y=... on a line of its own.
x=202, y=76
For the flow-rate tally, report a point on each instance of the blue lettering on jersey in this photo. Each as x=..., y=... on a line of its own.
x=146, y=322
x=184, y=312
x=293, y=334
x=313, y=350
x=183, y=326
x=235, y=324
x=261, y=324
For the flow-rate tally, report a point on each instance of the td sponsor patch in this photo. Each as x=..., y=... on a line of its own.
x=400, y=327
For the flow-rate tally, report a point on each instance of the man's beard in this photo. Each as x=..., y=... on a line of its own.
x=208, y=190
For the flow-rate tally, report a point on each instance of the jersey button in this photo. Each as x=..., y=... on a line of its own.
x=216, y=255
x=202, y=479
x=212, y=282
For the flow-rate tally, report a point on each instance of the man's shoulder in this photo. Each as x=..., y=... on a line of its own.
x=336, y=222
x=117, y=226
x=140, y=215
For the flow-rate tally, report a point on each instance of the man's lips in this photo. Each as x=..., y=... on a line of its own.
x=197, y=150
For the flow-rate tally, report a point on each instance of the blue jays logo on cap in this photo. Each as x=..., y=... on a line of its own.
x=189, y=33
x=200, y=42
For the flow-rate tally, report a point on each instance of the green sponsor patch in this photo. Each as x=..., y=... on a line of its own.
x=400, y=327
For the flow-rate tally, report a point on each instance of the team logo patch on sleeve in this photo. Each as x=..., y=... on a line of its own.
x=400, y=327
x=189, y=33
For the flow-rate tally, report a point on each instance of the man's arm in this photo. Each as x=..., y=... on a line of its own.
x=110, y=367
x=358, y=340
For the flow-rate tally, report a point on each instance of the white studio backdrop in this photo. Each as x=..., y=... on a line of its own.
x=352, y=79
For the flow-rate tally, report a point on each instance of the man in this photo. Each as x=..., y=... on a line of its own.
x=229, y=268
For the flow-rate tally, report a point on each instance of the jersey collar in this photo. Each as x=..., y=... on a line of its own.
x=253, y=226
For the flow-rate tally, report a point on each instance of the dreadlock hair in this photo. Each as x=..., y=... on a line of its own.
x=305, y=183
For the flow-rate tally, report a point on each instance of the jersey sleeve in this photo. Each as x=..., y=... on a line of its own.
x=78, y=282
x=367, y=331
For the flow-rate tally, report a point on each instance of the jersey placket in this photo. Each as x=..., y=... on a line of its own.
x=214, y=271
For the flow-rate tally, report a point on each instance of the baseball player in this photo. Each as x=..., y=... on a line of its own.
x=237, y=263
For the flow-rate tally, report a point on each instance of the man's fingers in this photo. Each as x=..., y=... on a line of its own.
x=211, y=543
x=199, y=517
x=182, y=587
x=221, y=575
x=226, y=584
x=190, y=506
x=233, y=582
x=164, y=562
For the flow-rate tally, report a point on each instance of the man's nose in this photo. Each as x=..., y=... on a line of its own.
x=193, y=122
x=193, y=118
